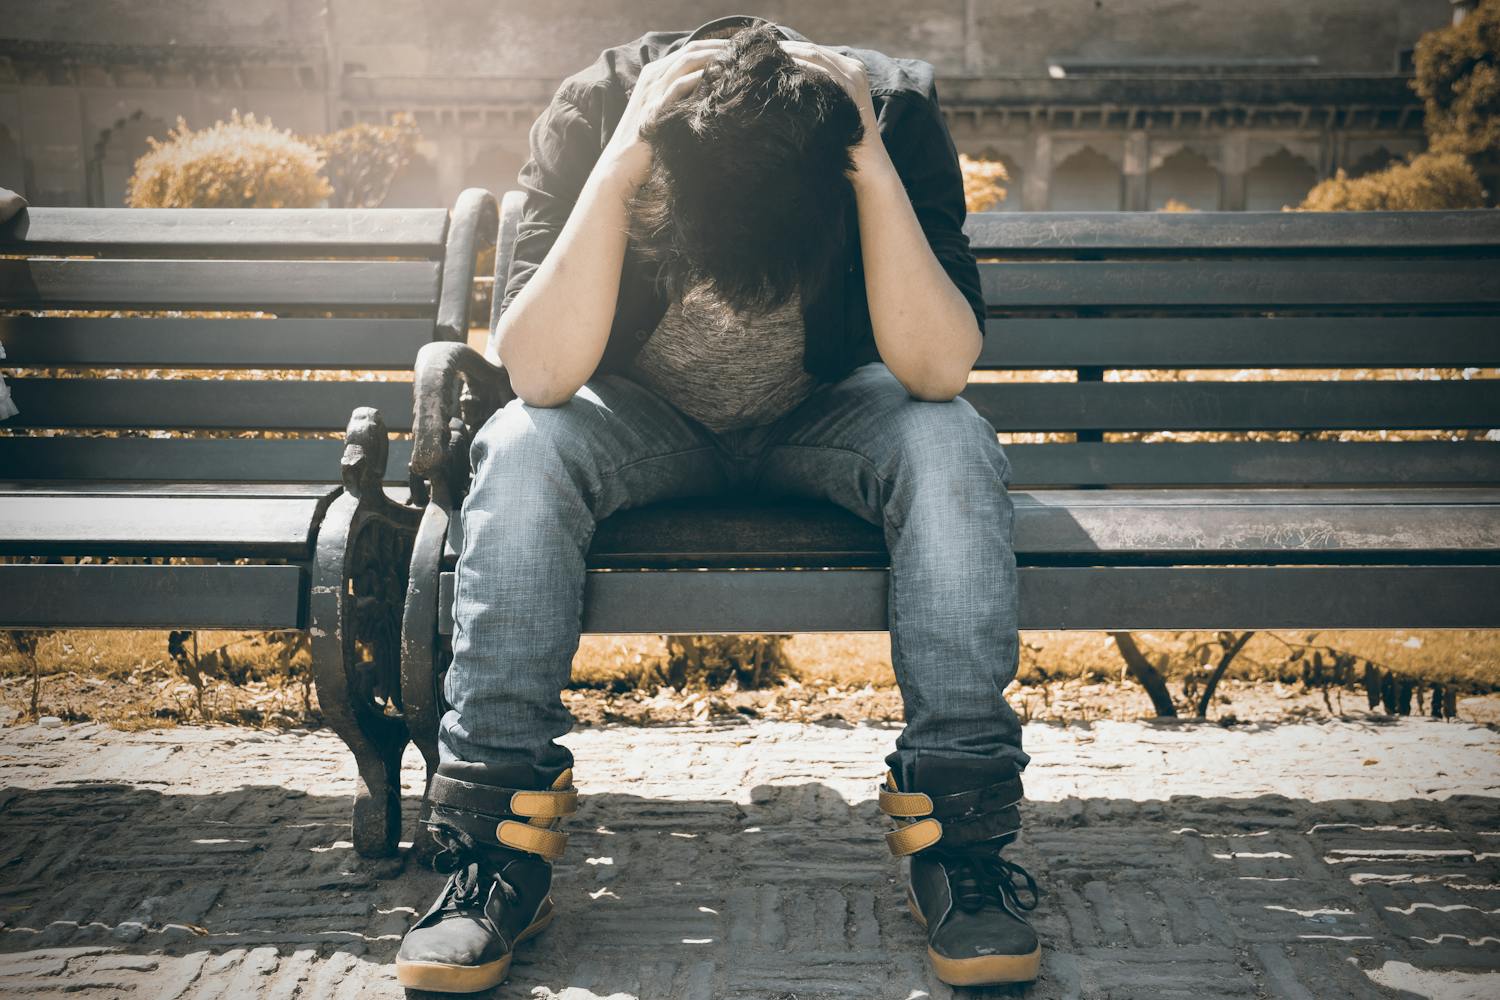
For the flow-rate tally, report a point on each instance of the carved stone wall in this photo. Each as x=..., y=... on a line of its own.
x=1214, y=103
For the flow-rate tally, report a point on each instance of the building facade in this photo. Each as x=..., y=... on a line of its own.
x=1091, y=104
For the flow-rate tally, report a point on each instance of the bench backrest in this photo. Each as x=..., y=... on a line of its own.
x=1141, y=321
x=1089, y=296
x=168, y=296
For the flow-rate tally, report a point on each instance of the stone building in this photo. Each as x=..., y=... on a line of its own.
x=1091, y=104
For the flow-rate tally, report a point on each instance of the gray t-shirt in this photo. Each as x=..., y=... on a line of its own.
x=727, y=370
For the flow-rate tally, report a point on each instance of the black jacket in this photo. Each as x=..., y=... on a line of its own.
x=567, y=138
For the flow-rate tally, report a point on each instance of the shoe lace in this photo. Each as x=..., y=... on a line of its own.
x=467, y=868
x=981, y=877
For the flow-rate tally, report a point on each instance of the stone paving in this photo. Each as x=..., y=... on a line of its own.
x=1304, y=860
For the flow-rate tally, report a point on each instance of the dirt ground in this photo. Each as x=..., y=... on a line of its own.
x=126, y=680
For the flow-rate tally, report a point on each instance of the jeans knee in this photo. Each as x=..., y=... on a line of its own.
x=948, y=439
x=527, y=435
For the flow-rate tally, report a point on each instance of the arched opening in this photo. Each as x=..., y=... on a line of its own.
x=415, y=186
x=1279, y=180
x=494, y=168
x=1185, y=178
x=12, y=177
x=1375, y=160
x=116, y=152
x=1012, y=184
x=1087, y=181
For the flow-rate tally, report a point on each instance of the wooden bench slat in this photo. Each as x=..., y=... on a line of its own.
x=136, y=342
x=226, y=597
x=1256, y=283
x=126, y=488
x=1192, y=526
x=205, y=404
x=1242, y=342
x=218, y=284
x=853, y=600
x=1255, y=463
x=357, y=231
x=1057, y=233
x=1237, y=406
x=183, y=460
x=181, y=525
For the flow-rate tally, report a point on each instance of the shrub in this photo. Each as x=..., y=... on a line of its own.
x=982, y=188
x=1458, y=79
x=711, y=661
x=363, y=160
x=242, y=163
x=1430, y=181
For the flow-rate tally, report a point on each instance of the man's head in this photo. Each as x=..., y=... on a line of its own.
x=749, y=180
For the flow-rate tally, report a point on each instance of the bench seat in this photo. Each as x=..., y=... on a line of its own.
x=240, y=520
x=1107, y=559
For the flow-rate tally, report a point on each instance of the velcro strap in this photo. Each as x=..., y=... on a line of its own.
x=914, y=837
x=981, y=826
x=470, y=797
x=499, y=803
x=989, y=798
x=544, y=805
x=523, y=837
x=904, y=803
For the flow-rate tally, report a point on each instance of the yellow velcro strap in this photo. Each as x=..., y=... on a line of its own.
x=914, y=837
x=546, y=805
x=904, y=803
x=548, y=843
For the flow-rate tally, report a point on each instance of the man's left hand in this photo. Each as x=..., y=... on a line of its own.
x=850, y=74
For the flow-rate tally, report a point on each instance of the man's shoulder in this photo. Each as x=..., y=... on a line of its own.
x=890, y=74
x=619, y=66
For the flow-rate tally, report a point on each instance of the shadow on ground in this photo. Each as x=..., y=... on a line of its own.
x=118, y=890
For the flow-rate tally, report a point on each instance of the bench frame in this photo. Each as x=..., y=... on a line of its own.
x=457, y=390
x=347, y=593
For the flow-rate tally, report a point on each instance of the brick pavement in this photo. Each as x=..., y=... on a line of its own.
x=1304, y=860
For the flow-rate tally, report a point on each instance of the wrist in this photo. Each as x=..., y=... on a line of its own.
x=873, y=167
x=616, y=178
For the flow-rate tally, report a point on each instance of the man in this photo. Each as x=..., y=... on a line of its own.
x=740, y=267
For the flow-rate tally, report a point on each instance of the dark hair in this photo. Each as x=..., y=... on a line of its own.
x=750, y=177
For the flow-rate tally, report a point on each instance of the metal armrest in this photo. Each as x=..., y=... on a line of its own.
x=472, y=228
x=453, y=382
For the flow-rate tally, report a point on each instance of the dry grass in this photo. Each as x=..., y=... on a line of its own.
x=126, y=679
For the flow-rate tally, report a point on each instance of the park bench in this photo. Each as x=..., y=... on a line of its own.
x=228, y=500
x=1173, y=503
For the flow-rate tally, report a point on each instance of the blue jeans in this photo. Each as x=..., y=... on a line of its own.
x=932, y=474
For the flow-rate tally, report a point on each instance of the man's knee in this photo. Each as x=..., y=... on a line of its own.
x=528, y=435
x=946, y=437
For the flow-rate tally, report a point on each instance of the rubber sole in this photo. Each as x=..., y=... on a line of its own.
x=981, y=970
x=439, y=977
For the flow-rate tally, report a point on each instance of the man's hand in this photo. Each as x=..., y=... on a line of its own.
x=850, y=74
x=924, y=329
x=661, y=82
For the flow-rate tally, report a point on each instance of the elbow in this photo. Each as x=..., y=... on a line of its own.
x=537, y=395
x=533, y=387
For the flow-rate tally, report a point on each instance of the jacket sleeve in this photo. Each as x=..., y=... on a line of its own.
x=565, y=144
x=923, y=153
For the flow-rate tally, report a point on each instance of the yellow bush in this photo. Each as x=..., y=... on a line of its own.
x=1430, y=182
x=363, y=160
x=982, y=189
x=242, y=163
x=1458, y=79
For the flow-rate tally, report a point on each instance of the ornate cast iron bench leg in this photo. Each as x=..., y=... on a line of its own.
x=364, y=550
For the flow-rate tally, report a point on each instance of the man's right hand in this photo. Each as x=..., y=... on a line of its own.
x=627, y=156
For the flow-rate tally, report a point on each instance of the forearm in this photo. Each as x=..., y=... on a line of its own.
x=552, y=335
x=924, y=327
